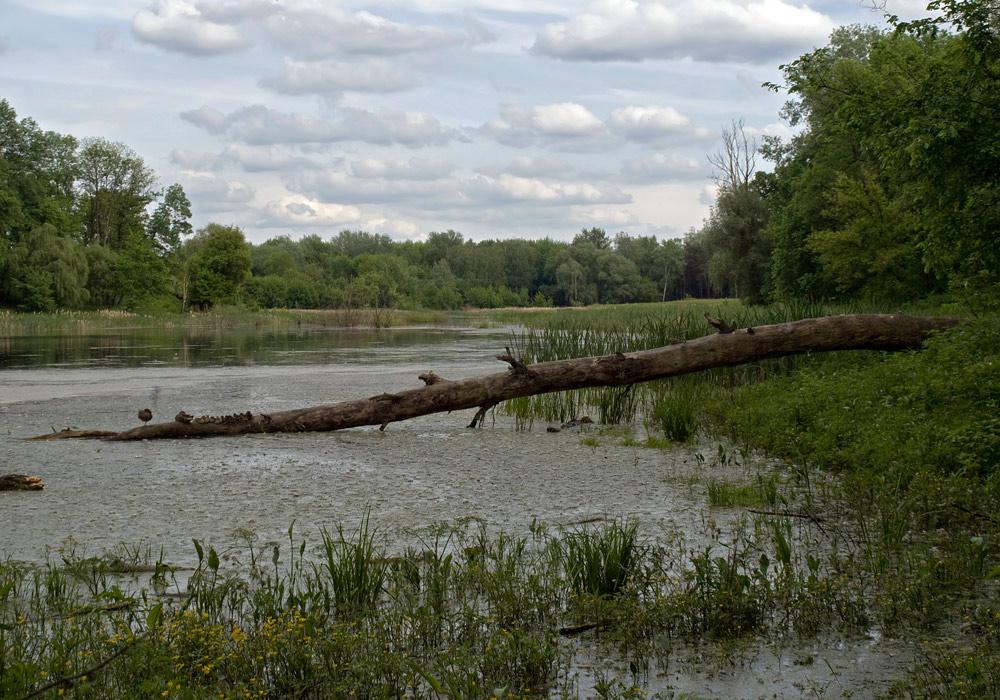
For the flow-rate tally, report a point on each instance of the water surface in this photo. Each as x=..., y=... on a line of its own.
x=414, y=474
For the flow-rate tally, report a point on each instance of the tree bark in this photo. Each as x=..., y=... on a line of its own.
x=728, y=347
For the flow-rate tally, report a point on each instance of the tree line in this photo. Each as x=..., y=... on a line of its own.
x=83, y=224
x=889, y=191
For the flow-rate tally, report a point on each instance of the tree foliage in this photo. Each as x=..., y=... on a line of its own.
x=893, y=188
x=218, y=267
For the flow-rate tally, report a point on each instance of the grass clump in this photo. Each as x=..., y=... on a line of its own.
x=355, y=569
x=600, y=562
x=675, y=412
x=730, y=493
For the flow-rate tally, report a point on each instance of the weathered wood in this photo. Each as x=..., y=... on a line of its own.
x=729, y=347
x=67, y=433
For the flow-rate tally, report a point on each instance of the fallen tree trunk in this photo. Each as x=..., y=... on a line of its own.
x=728, y=347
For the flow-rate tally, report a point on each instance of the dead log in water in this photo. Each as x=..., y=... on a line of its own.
x=726, y=348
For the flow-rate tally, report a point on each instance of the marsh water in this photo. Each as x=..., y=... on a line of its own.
x=412, y=476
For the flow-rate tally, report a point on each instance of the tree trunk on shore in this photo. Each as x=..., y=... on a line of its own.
x=730, y=346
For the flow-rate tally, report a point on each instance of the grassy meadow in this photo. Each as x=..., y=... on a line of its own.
x=877, y=514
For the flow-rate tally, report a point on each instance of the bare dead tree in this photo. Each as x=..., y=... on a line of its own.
x=736, y=162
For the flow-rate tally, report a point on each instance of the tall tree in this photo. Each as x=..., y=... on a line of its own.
x=115, y=189
x=218, y=266
x=735, y=233
x=37, y=172
x=46, y=271
x=893, y=189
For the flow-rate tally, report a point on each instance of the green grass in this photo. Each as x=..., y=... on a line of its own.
x=470, y=614
x=353, y=571
x=601, y=562
x=729, y=493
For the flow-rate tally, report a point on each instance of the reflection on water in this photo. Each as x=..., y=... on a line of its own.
x=221, y=347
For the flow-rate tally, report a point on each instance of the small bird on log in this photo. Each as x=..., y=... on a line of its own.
x=20, y=482
x=145, y=415
x=183, y=417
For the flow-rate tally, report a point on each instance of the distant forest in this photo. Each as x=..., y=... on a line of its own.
x=890, y=191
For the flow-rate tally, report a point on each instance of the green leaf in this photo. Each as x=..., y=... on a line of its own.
x=154, y=616
x=213, y=559
x=431, y=680
x=197, y=548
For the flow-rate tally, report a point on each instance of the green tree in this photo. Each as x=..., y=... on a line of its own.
x=125, y=276
x=171, y=220
x=355, y=243
x=617, y=280
x=440, y=244
x=37, y=172
x=596, y=236
x=218, y=267
x=735, y=234
x=382, y=281
x=115, y=189
x=895, y=175
x=572, y=279
x=46, y=271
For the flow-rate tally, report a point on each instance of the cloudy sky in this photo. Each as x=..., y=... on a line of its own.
x=495, y=118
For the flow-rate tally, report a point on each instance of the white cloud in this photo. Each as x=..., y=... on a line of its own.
x=211, y=120
x=196, y=160
x=564, y=119
x=565, y=125
x=250, y=158
x=394, y=126
x=322, y=29
x=340, y=185
x=265, y=158
x=397, y=228
x=708, y=195
x=177, y=25
x=529, y=166
x=304, y=27
x=522, y=189
x=334, y=77
x=660, y=167
x=707, y=30
x=298, y=210
x=210, y=192
x=653, y=123
x=774, y=129
x=412, y=169
x=260, y=126
x=81, y=9
x=606, y=217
